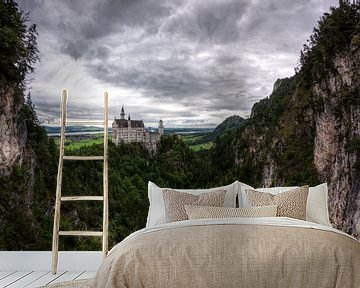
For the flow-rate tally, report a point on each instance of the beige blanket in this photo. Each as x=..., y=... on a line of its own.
x=232, y=255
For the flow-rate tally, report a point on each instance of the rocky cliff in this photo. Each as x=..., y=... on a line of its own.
x=13, y=132
x=308, y=130
x=313, y=141
x=337, y=130
x=27, y=174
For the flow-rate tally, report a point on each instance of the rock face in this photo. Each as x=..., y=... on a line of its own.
x=309, y=134
x=337, y=127
x=13, y=132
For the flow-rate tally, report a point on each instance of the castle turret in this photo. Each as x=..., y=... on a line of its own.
x=126, y=130
x=161, y=127
x=122, y=114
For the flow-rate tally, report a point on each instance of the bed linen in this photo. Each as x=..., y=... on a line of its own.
x=233, y=252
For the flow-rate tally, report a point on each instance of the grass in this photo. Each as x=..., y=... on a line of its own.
x=196, y=142
x=191, y=138
x=73, y=143
x=205, y=146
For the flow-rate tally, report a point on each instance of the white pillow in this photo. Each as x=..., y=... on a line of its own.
x=317, y=203
x=156, y=213
x=242, y=194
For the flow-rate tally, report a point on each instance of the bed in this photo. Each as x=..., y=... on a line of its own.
x=234, y=252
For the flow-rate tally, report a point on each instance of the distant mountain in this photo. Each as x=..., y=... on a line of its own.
x=53, y=130
x=74, y=130
x=229, y=124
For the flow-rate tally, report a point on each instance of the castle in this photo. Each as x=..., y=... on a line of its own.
x=129, y=131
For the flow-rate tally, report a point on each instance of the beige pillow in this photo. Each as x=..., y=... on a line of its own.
x=290, y=204
x=174, y=202
x=201, y=212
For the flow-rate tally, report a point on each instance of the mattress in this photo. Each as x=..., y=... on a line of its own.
x=234, y=252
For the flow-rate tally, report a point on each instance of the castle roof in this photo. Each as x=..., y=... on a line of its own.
x=123, y=123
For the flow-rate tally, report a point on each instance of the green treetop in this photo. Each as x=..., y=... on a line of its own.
x=18, y=47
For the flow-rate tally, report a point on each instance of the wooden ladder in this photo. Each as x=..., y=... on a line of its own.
x=104, y=198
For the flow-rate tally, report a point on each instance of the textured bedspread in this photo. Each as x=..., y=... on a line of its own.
x=233, y=254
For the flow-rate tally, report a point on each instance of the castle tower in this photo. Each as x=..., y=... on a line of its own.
x=122, y=114
x=161, y=127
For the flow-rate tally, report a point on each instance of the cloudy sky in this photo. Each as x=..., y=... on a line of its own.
x=190, y=63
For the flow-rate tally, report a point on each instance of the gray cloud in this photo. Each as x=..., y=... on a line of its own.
x=184, y=61
x=74, y=48
x=211, y=22
x=103, y=52
x=114, y=16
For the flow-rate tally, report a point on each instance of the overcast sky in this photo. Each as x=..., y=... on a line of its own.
x=190, y=63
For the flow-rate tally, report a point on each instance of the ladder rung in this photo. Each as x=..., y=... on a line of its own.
x=83, y=157
x=96, y=122
x=80, y=233
x=82, y=198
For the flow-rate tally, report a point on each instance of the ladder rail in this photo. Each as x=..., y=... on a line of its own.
x=55, y=243
x=104, y=198
x=105, y=180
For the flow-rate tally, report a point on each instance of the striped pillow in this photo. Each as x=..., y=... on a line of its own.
x=201, y=212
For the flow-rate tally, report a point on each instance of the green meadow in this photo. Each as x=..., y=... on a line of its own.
x=75, y=142
x=194, y=141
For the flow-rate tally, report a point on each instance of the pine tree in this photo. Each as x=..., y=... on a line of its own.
x=18, y=47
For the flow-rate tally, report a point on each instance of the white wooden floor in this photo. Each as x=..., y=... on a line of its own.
x=32, y=268
x=32, y=279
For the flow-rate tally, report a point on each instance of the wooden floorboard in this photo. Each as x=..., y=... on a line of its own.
x=4, y=274
x=68, y=276
x=42, y=260
x=46, y=279
x=28, y=279
x=12, y=278
x=86, y=275
x=34, y=279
